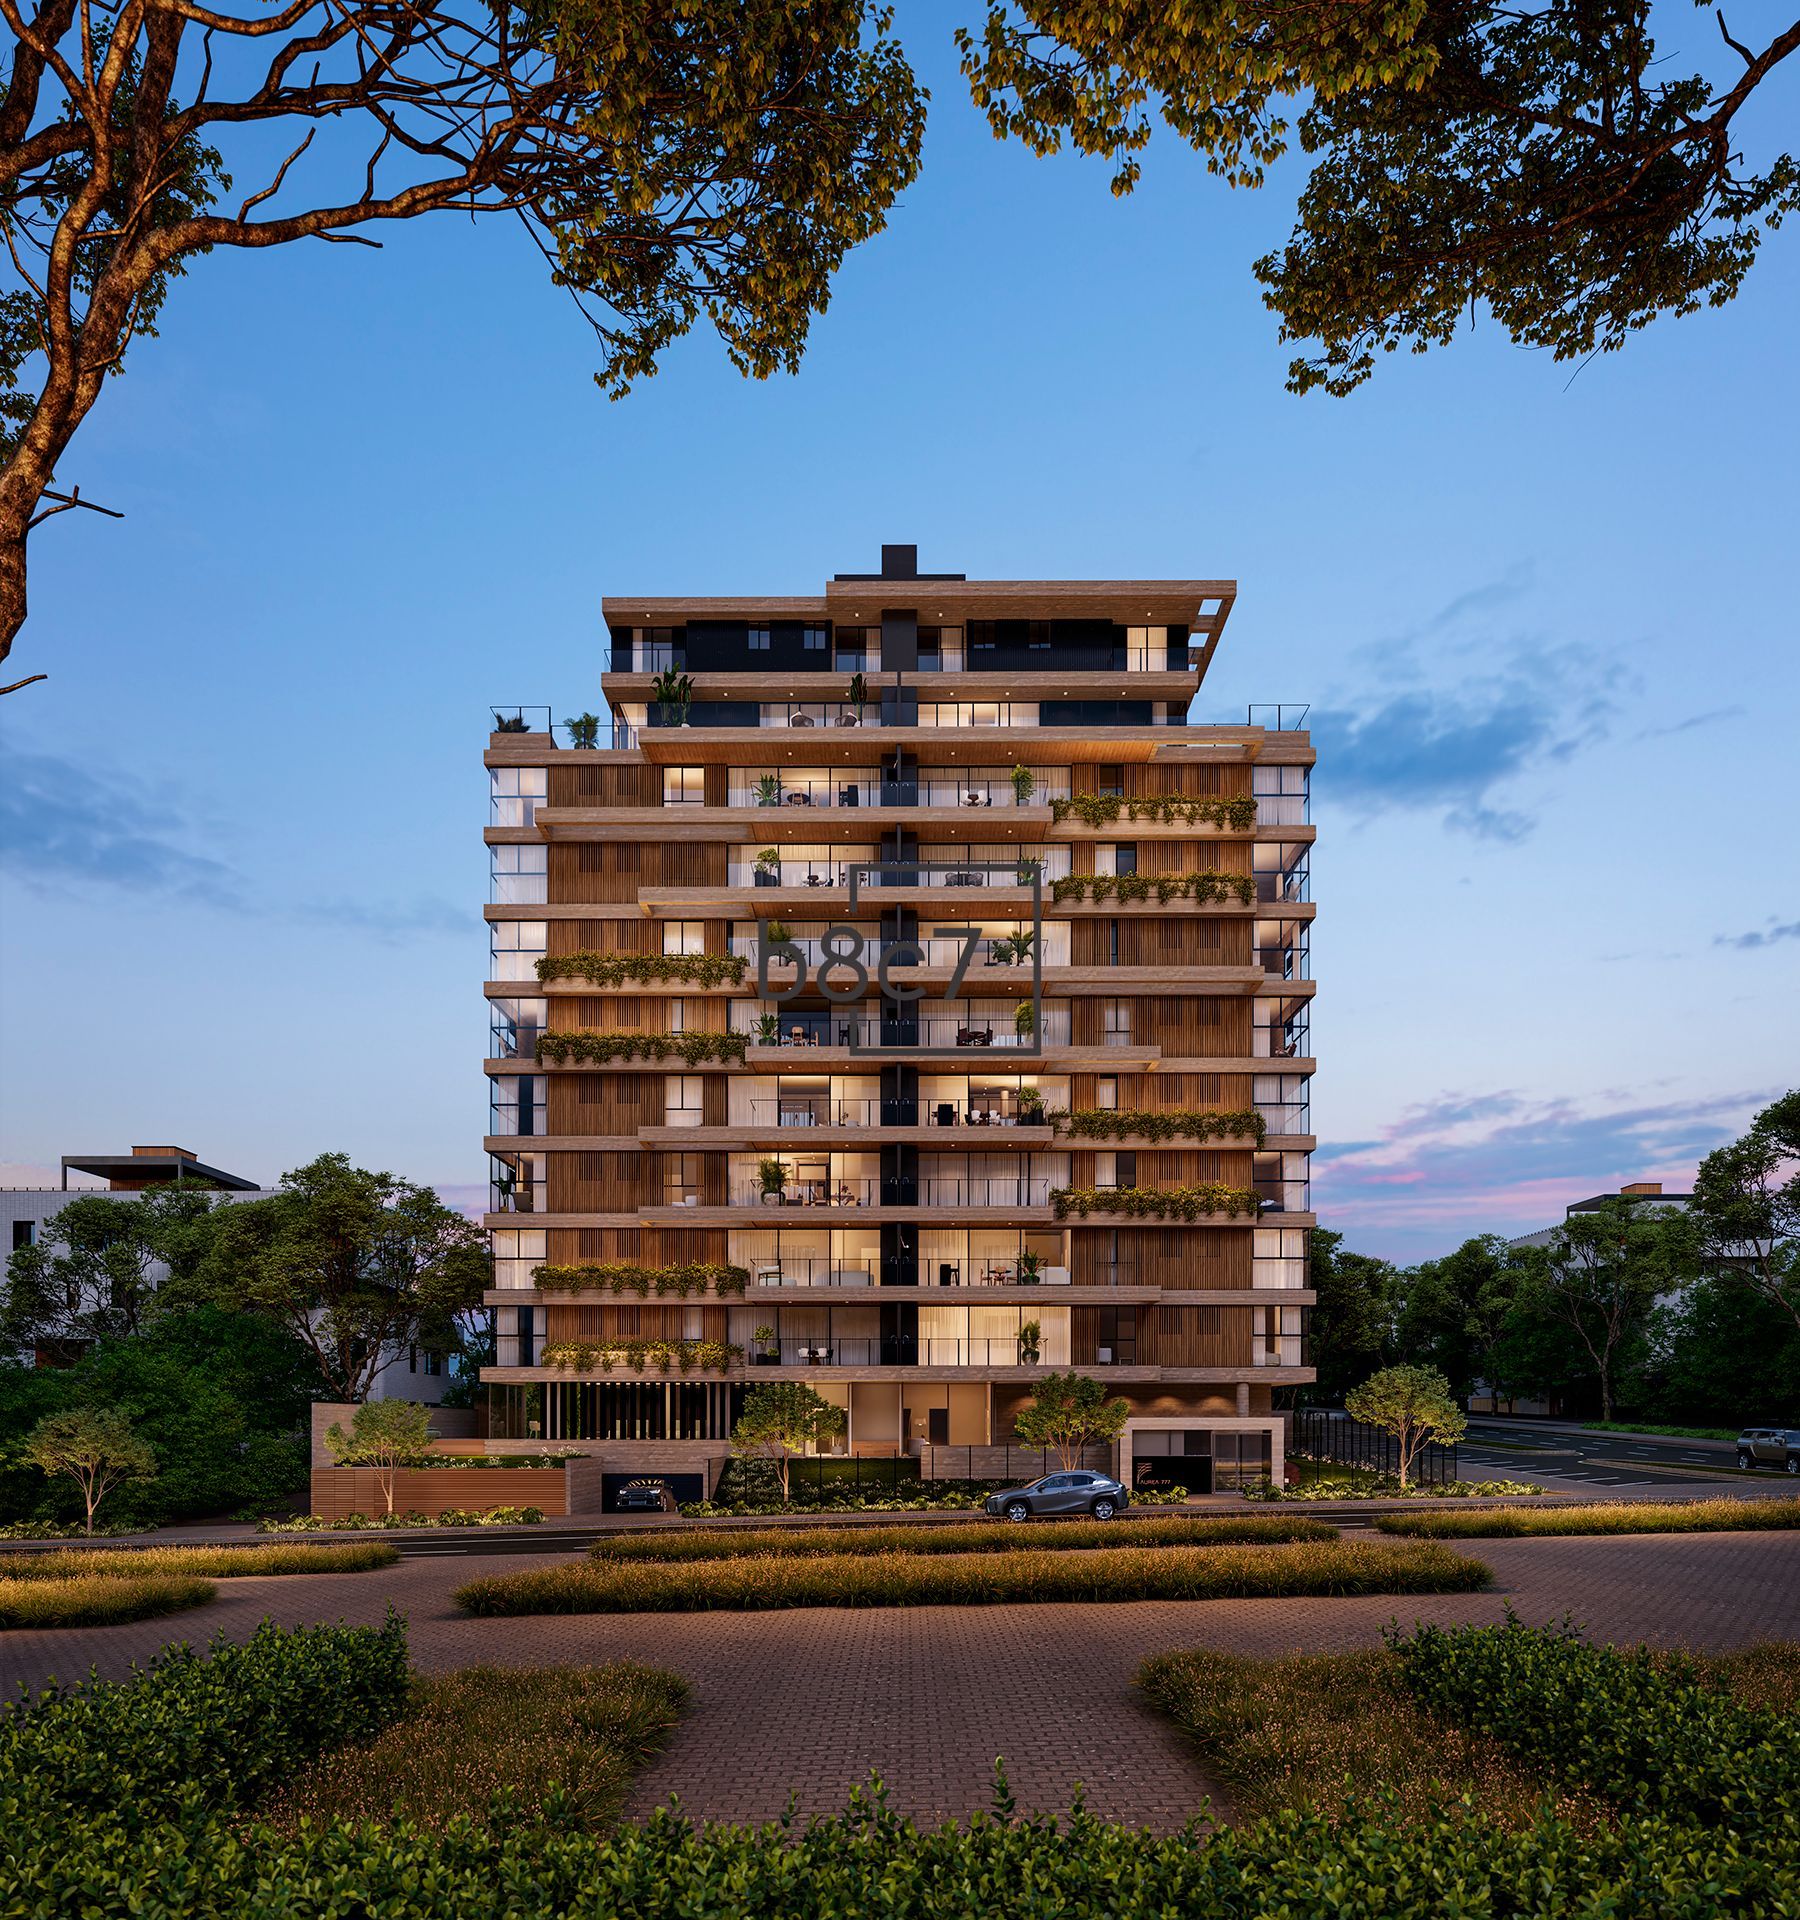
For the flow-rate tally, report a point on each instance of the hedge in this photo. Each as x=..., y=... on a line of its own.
x=758, y=1581
x=1000, y=1536
x=99, y=1600
x=580, y=1045
x=195, y=1733
x=1689, y=1516
x=219, y=1563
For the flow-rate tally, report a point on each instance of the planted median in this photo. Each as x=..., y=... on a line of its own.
x=805, y=1543
x=758, y=1582
x=1690, y=1516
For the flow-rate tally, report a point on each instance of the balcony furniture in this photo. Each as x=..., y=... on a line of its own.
x=946, y=1114
x=849, y=797
x=800, y=720
x=768, y=1277
x=846, y=720
x=799, y=799
x=845, y=1198
x=843, y=1036
x=1055, y=1276
x=949, y=1274
x=974, y=1036
x=817, y=880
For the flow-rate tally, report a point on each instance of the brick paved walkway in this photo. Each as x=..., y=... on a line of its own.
x=813, y=1700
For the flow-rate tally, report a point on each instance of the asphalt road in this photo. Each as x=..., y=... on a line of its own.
x=1524, y=1450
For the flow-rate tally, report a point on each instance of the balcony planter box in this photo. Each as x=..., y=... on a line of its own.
x=763, y=879
x=765, y=1359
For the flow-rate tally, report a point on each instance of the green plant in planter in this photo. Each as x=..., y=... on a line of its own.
x=1030, y=1335
x=1031, y=1266
x=777, y=930
x=1029, y=871
x=859, y=694
x=766, y=1348
x=517, y=724
x=769, y=861
x=1031, y=1105
x=774, y=1176
x=673, y=691
x=768, y=1029
x=1024, y=1018
x=1024, y=784
x=583, y=730
x=768, y=790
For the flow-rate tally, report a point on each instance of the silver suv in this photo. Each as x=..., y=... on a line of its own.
x=1770, y=1447
x=1062, y=1493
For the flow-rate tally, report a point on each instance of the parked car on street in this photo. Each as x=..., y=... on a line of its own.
x=1061, y=1494
x=1770, y=1447
x=643, y=1496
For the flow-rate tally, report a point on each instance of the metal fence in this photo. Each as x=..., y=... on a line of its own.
x=1320, y=1434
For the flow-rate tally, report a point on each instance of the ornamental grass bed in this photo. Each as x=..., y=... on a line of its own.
x=99, y=1599
x=1690, y=1516
x=899, y=1579
x=999, y=1536
x=219, y=1563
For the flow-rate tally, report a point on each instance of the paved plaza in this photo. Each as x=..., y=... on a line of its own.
x=812, y=1701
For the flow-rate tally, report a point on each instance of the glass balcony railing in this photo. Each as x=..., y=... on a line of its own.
x=803, y=1111
x=973, y=792
x=980, y=1030
x=928, y=872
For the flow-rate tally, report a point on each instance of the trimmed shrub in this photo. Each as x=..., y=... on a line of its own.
x=998, y=1536
x=98, y=1600
x=193, y=1734
x=1683, y=1516
x=762, y=1581
x=219, y=1563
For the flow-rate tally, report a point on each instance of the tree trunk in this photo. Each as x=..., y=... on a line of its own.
x=12, y=586
x=385, y=1480
x=784, y=1464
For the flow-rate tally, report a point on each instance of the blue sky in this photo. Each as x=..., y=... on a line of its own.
x=1546, y=624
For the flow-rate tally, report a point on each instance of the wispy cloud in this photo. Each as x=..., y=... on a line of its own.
x=68, y=829
x=1501, y=1162
x=64, y=826
x=1771, y=935
x=1711, y=717
x=394, y=922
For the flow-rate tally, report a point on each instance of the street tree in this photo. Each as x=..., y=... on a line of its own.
x=93, y=1273
x=672, y=161
x=385, y=1435
x=1552, y=162
x=1068, y=1412
x=1601, y=1275
x=1352, y=1325
x=357, y=1266
x=1411, y=1403
x=93, y=1446
x=782, y=1419
x=1745, y=1212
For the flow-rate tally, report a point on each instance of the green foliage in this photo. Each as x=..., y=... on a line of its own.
x=385, y=1435
x=596, y=1049
x=92, y=1274
x=191, y=1736
x=1024, y=1018
x=1645, y=1732
x=643, y=969
x=559, y=1743
x=782, y=1418
x=355, y=1265
x=1745, y=1215
x=1161, y=1123
x=221, y=1397
x=626, y=1276
x=95, y=1447
x=1688, y=1516
x=1162, y=887
x=1070, y=1412
x=975, y=1536
x=1027, y=1574
x=584, y=735
x=1102, y=810
x=773, y=1175
x=1352, y=1317
x=1411, y=1403
x=1024, y=784
x=217, y=1563
x=1722, y=1351
x=1198, y=1202
x=1546, y=160
x=98, y=1600
x=386, y=1522
x=1322, y=1482
x=655, y=1356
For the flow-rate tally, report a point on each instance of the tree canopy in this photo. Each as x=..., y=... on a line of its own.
x=783, y=1418
x=1411, y=1403
x=356, y=1266
x=1746, y=1207
x=1070, y=1411
x=93, y=1446
x=672, y=161
x=1550, y=162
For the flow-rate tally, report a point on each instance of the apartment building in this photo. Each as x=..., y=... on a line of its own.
x=901, y=994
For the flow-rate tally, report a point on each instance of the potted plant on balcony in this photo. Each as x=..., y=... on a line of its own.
x=768, y=1029
x=583, y=730
x=1024, y=783
x=514, y=723
x=773, y=1174
x=674, y=693
x=1030, y=1335
x=1031, y=1267
x=768, y=790
x=859, y=695
x=767, y=871
x=767, y=1353
x=1030, y=871
x=1025, y=1019
x=1031, y=1107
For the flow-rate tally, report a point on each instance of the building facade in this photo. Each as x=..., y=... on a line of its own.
x=900, y=994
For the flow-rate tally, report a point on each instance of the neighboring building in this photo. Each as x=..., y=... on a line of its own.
x=1639, y=1193
x=28, y=1216
x=892, y=1258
